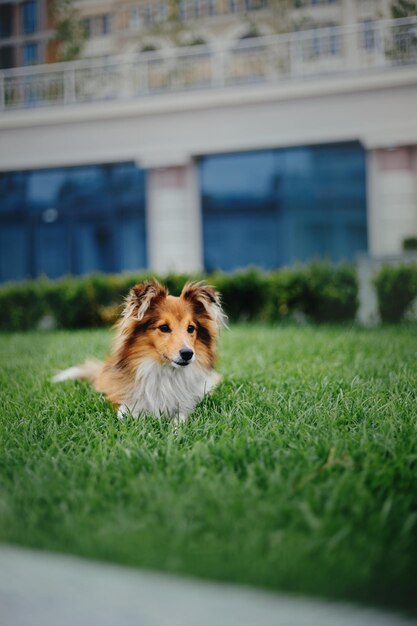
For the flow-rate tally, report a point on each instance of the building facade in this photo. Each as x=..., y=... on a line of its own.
x=27, y=35
x=27, y=29
x=263, y=150
x=124, y=26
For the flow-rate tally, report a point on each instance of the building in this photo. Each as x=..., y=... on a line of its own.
x=26, y=33
x=118, y=27
x=235, y=151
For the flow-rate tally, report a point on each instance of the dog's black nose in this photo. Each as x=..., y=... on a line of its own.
x=186, y=354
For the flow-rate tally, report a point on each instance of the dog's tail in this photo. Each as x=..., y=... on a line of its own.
x=90, y=370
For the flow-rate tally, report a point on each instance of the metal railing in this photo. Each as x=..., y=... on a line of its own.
x=297, y=55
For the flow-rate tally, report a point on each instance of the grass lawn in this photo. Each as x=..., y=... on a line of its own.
x=299, y=473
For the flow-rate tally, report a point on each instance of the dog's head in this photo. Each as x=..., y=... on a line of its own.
x=176, y=331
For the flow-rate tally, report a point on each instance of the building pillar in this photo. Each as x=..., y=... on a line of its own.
x=392, y=198
x=350, y=37
x=174, y=219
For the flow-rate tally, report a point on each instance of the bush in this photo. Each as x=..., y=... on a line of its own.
x=286, y=294
x=244, y=293
x=320, y=292
x=332, y=292
x=21, y=305
x=396, y=287
x=410, y=243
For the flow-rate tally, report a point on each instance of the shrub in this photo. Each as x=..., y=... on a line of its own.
x=319, y=291
x=410, y=243
x=396, y=287
x=286, y=294
x=244, y=293
x=71, y=302
x=21, y=305
x=332, y=292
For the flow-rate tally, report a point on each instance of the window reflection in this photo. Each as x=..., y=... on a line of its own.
x=272, y=208
x=72, y=220
x=238, y=182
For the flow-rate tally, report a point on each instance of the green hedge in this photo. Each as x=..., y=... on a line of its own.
x=318, y=292
x=396, y=287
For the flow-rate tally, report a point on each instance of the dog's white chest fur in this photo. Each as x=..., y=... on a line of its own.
x=164, y=390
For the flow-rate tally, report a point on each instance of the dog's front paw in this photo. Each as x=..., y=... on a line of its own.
x=122, y=411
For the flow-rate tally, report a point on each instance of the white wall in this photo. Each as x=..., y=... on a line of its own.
x=173, y=219
x=377, y=109
x=392, y=198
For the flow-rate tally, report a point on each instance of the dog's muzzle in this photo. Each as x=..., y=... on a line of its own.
x=185, y=357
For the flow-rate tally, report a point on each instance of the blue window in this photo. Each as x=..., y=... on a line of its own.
x=29, y=17
x=30, y=54
x=276, y=207
x=72, y=220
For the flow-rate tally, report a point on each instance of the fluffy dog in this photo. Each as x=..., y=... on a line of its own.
x=164, y=352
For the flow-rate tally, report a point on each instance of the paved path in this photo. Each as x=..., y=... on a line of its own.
x=43, y=589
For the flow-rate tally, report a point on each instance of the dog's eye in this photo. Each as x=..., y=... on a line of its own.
x=190, y=329
x=165, y=328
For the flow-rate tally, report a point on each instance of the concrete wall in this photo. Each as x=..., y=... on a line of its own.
x=392, y=198
x=174, y=219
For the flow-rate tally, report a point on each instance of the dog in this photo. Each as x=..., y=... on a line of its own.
x=163, y=357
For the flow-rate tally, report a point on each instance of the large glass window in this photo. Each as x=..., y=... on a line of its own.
x=72, y=220
x=276, y=207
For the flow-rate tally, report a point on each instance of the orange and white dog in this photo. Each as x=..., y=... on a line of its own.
x=164, y=352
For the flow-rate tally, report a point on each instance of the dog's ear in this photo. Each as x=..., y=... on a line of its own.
x=205, y=299
x=141, y=297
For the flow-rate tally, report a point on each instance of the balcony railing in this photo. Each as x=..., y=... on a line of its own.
x=325, y=51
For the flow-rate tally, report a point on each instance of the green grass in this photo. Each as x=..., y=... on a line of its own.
x=299, y=473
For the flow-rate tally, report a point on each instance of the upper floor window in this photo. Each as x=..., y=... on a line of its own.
x=7, y=57
x=212, y=7
x=135, y=19
x=195, y=9
x=30, y=54
x=29, y=17
x=6, y=20
x=254, y=5
x=304, y=3
x=198, y=8
x=97, y=26
x=148, y=14
x=321, y=41
x=87, y=23
x=106, y=24
x=368, y=34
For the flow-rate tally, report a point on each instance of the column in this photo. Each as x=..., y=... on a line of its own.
x=392, y=198
x=174, y=219
x=350, y=43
